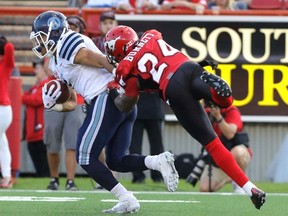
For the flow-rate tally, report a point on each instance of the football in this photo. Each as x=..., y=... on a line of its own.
x=65, y=90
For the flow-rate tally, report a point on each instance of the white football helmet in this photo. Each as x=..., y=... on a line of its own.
x=47, y=29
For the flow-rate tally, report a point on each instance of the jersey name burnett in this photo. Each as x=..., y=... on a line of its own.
x=144, y=40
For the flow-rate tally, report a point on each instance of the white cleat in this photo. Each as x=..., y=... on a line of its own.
x=127, y=204
x=167, y=168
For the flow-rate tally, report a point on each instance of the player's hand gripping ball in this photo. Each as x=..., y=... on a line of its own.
x=64, y=89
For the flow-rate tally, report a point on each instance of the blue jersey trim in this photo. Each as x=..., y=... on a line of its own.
x=69, y=45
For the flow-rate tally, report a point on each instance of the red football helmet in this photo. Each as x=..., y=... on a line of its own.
x=119, y=41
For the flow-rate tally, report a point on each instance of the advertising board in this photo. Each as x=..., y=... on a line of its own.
x=252, y=52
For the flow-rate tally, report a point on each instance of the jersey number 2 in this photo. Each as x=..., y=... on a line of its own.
x=156, y=73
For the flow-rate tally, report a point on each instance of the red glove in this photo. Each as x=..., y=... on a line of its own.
x=114, y=89
x=113, y=85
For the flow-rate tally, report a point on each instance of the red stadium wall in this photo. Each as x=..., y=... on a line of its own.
x=14, y=131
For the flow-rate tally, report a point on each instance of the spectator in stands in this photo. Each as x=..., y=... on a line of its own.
x=131, y=5
x=34, y=121
x=107, y=22
x=228, y=125
x=77, y=24
x=76, y=3
x=184, y=4
x=101, y=3
x=64, y=126
x=229, y=4
x=6, y=66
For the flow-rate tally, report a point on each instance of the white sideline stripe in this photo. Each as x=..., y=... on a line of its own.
x=40, y=199
x=138, y=192
x=156, y=201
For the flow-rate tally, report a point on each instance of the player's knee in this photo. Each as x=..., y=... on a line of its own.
x=204, y=187
x=241, y=156
x=112, y=164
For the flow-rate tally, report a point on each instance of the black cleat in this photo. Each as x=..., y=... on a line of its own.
x=220, y=86
x=53, y=185
x=258, y=197
x=71, y=186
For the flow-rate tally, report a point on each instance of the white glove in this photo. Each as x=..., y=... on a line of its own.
x=50, y=97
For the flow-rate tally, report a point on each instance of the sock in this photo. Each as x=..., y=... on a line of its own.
x=247, y=188
x=151, y=162
x=225, y=161
x=119, y=190
x=55, y=179
x=69, y=181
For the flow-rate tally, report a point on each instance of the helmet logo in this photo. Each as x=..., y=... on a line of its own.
x=111, y=44
x=56, y=23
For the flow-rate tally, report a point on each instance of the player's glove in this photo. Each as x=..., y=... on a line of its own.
x=114, y=89
x=49, y=97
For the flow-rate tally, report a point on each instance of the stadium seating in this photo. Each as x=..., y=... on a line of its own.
x=16, y=18
x=16, y=24
x=266, y=4
x=33, y=3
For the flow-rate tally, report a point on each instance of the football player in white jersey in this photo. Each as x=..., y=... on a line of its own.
x=75, y=60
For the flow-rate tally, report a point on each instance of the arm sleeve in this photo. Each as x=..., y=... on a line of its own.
x=33, y=100
x=9, y=54
x=233, y=116
x=132, y=89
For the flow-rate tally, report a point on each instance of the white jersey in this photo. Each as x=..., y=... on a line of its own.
x=87, y=81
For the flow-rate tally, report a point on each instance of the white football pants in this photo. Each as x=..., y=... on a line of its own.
x=5, y=155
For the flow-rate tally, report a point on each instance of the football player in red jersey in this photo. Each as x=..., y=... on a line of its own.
x=150, y=64
x=7, y=62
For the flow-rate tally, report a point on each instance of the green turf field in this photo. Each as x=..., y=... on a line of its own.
x=28, y=198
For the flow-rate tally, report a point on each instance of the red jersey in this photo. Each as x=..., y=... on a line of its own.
x=153, y=61
x=34, y=123
x=6, y=67
x=231, y=115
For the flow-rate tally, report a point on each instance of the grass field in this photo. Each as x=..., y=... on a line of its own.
x=28, y=198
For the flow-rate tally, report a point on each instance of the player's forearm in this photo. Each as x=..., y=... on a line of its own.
x=71, y=104
x=227, y=129
x=124, y=103
x=93, y=59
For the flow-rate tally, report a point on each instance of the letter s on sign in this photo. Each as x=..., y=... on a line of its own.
x=194, y=43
